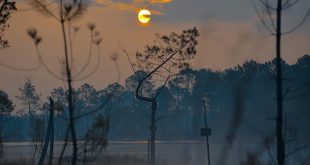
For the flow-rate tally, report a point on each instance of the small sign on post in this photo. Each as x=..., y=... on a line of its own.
x=205, y=131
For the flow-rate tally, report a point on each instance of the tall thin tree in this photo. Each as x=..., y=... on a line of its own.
x=67, y=11
x=275, y=29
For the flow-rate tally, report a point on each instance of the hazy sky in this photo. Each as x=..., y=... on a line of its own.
x=230, y=34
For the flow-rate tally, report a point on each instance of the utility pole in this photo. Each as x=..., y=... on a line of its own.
x=206, y=131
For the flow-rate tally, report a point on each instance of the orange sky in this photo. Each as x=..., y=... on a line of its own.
x=223, y=42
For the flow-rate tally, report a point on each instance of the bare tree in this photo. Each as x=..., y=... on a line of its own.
x=274, y=26
x=161, y=62
x=68, y=11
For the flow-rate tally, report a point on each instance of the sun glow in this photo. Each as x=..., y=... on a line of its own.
x=144, y=16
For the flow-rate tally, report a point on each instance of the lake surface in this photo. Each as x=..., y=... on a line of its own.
x=167, y=152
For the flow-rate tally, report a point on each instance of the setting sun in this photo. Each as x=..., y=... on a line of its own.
x=144, y=16
x=151, y=82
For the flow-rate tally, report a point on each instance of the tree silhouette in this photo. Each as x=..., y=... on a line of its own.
x=30, y=99
x=132, y=81
x=95, y=140
x=68, y=11
x=276, y=30
x=162, y=61
x=6, y=7
x=6, y=107
x=128, y=119
x=32, y=108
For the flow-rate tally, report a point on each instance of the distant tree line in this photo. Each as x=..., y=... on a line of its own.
x=181, y=105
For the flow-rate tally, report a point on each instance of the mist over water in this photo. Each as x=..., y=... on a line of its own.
x=135, y=152
x=239, y=113
x=168, y=152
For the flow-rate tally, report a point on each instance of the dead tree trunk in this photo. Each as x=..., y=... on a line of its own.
x=279, y=121
x=49, y=139
x=51, y=153
x=70, y=101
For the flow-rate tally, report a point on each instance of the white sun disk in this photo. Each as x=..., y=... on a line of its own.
x=144, y=16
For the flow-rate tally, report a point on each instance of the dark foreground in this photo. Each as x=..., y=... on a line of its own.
x=135, y=153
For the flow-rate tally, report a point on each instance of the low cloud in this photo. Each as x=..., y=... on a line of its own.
x=155, y=6
x=159, y=1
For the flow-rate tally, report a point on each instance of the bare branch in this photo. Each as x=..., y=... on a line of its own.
x=88, y=59
x=95, y=69
x=127, y=55
x=287, y=4
x=267, y=5
x=41, y=7
x=21, y=69
x=271, y=19
x=164, y=62
x=261, y=17
x=297, y=149
x=298, y=25
x=31, y=8
x=46, y=67
x=153, y=71
x=161, y=117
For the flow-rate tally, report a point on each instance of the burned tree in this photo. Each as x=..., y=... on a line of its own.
x=161, y=62
x=274, y=26
x=68, y=11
